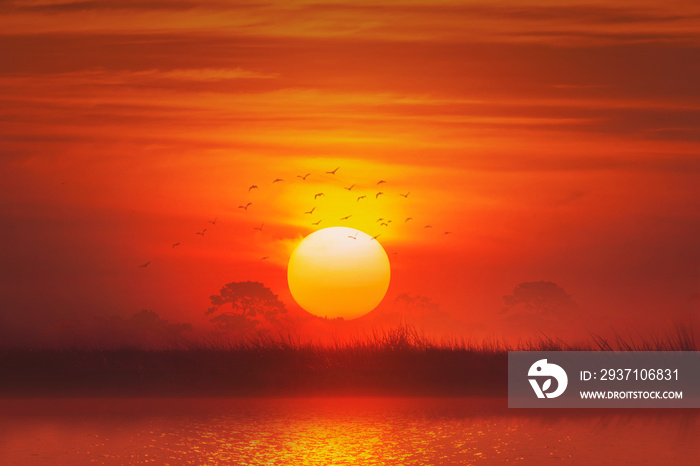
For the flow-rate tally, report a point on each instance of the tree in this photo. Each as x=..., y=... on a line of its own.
x=253, y=306
x=151, y=323
x=540, y=298
x=143, y=329
x=539, y=306
x=416, y=311
x=416, y=306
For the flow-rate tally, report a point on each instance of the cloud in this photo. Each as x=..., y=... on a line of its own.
x=117, y=77
x=447, y=21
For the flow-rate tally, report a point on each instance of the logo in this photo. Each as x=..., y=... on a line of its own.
x=543, y=369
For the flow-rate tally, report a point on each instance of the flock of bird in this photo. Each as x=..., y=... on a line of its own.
x=381, y=221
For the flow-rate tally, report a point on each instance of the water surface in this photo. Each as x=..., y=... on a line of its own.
x=336, y=431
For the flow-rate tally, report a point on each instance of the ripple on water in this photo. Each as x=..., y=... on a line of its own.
x=336, y=431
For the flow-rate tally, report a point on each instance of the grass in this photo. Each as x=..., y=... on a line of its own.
x=681, y=339
x=397, y=362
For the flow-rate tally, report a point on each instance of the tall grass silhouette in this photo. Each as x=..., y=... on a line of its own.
x=400, y=361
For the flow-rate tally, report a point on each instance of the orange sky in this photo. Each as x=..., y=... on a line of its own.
x=556, y=141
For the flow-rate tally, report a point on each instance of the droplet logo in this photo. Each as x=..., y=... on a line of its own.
x=543, y=370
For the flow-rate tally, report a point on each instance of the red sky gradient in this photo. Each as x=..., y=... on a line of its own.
x=557, y=141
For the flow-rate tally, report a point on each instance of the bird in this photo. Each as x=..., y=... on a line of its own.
x=318, y=195
x=380, y=219
x=252, y=187
x=345, y=218
x=361, y=197
x=264, y=258
x=383, y=224
x=260, y=227
x=378, y=194
x=388, y=221
x=332, y=172
x=245, y=207
x=176, y=244
x=145, y=265
x=213, y=222
x=201, y=232
x=350, y=188
x=428, y=226
x=448, y=233
x=277, y=180
x=354, y=237
x=303, y=177
x=311, y=211
x=316, y=223
x=381, y=182
x=375, y=237
x=407, y=219
x=405, y=195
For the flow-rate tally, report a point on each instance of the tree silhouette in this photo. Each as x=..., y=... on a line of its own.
x=539, y=306
x=540, y=298
x=144, y=329
x=253, y=307
x=151, y=323
x=416, y=305
x=416, y=311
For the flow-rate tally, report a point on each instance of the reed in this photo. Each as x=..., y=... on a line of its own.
x=400, y=361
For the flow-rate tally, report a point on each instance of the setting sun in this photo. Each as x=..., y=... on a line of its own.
x=349, y=231
x=338, y=272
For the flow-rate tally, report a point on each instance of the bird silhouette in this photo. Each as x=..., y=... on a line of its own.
x=361, y=197
x=428, y=226
x=381, y=182
x=213, y=222
x=448, y=233
x=378, y=194
x=277, y=180
x=345, y=218
x=383, y=224
x=316, y=223
x=332, y=172
x=405, y=195
x=145, y=265
x=407, y=219
x=318, y=195
x=252, y=187
x=176, y=244
x=201, y=232
x=303, y=177
x=380, y=219
x=311, y=211
x=354, y=237
x=264, y=258
x=245, y=207
x=375, y=237
x=350, y=188
x=260, y=227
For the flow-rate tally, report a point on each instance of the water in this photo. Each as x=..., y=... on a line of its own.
x=336, y=431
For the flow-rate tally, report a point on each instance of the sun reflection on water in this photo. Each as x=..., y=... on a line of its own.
x=331, y=431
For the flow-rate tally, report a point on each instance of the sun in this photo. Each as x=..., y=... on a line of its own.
x=338, y=272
